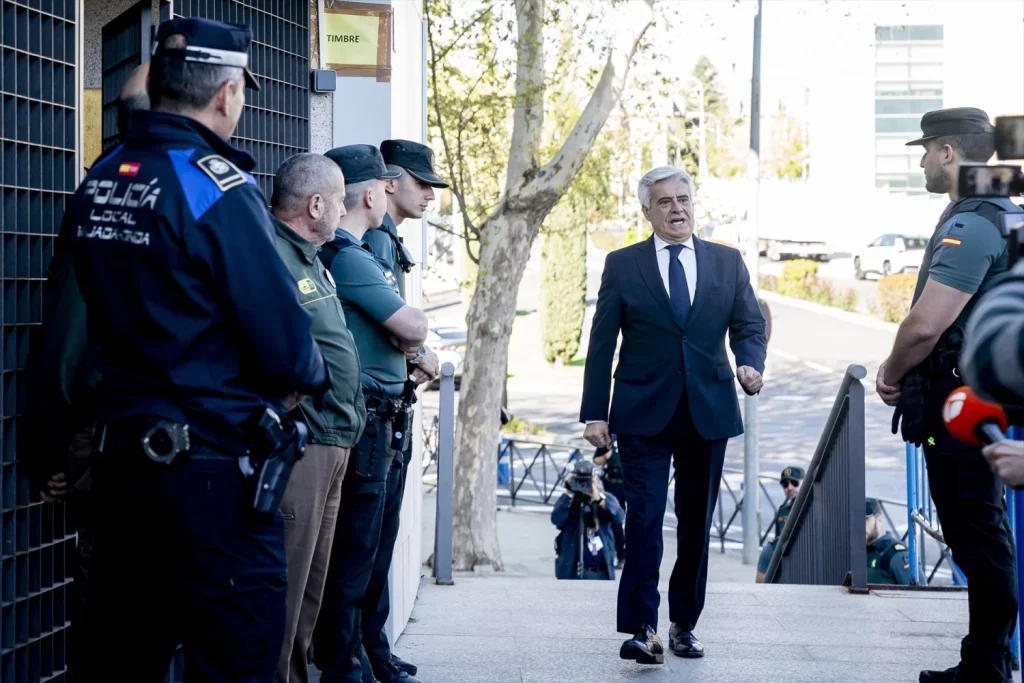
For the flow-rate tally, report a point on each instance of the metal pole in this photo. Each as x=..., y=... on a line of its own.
x=702, y=163
x=915, y=567
x=751, y=464
x=445, y=478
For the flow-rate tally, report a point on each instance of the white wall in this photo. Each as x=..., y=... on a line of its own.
x=367, y=112
x=983, y=67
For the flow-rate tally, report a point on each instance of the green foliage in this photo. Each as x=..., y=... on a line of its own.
x=471, y=77
x=518, y=425
x=800, y=280
x=564, y=287
x=684, y=134
x=787, y=156
x=895, y=294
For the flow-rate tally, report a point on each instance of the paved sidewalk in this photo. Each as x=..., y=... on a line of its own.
x=536, y=630
x=523, y=626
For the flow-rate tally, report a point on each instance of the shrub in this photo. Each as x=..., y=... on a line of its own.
x=800, y=280
x=895, y=294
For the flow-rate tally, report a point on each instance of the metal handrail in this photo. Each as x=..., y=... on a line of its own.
x=831, y=499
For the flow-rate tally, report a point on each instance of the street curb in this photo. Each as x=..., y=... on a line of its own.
x=846, y=316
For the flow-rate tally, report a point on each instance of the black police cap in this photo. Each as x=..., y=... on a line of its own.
x=796, y=473
x=360, y=163
x=956, y=121
x=415, y=158
x=208, y=42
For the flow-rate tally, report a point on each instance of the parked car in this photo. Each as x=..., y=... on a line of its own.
x=449, y=343
x=890, y=253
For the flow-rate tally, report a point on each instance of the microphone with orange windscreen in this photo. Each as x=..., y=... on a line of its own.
x=972, y=420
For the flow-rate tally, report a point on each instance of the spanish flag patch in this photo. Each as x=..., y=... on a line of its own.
x=952, y=241
x=129, y=168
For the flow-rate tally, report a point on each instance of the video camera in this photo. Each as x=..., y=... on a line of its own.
x=982, y=180
x=581, y=483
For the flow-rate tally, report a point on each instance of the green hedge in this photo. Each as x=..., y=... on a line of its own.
x=800, y=280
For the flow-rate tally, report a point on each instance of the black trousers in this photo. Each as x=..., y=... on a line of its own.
x=645, y=466
x=181, y=557
x=337, y=637
x=618, y=489
x=969, y=500
x=377, y=603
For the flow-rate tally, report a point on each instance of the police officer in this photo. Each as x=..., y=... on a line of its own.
x=790, y=481
x=307, y=203
x=888, y=560
x=388, y=333
x=199, y=332
x=409, y=195
x=962, y=260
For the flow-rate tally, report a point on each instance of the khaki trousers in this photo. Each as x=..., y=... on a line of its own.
x=310, y=511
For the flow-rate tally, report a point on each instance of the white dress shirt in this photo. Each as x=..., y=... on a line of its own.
x=688, y=257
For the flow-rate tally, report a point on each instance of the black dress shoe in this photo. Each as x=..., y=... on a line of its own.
x=396, y=675
x=684, y=643
x=947, y=676
x=403, y=665
x=643, y=648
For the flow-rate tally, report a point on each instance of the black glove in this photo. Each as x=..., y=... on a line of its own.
x=912, y=408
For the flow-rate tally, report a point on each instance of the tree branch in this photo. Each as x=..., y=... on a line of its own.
x=528, y=118
x=559, y=173
x=455, y=41
x=457, y=188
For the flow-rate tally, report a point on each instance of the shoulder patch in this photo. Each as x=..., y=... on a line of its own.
x=221, y=171
x=900, y=546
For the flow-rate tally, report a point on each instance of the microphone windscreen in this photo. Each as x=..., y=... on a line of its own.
x=964, y=412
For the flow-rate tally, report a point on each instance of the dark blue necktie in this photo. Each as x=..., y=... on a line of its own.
x=678, y=291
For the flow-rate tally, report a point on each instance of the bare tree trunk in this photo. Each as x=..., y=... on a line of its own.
x=505, y=240
x=503, y=257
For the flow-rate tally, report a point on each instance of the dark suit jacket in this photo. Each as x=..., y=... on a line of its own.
x=659, y=358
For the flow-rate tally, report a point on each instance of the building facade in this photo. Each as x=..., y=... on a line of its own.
x=63, y=64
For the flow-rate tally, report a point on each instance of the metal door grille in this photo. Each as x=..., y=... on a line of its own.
x=275, y=124
x=125, y=46
x=38, y=161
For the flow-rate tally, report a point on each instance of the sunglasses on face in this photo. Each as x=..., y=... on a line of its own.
x=786, y=483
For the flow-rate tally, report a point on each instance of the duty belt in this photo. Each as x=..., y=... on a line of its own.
x=161, y=440
x=383, y=405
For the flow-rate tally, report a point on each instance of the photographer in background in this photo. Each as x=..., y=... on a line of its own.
x=607, y=458
x=584, y=515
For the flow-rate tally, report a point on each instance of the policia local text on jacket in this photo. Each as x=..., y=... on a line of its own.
x=199, y=330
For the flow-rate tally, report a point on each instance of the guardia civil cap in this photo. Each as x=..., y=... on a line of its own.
x=415, y=158
x=956, y=121
x=360, y=163
x=796, y=473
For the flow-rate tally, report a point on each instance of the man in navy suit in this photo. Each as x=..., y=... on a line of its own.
x=673, y=298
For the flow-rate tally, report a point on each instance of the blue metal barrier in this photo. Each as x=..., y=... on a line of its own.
x=1015, y=510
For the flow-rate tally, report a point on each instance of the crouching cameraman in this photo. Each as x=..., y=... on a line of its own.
x=585, y=515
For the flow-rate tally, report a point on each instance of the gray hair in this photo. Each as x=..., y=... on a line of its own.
x=643, y=191
x=300, y=177
x=354, y=193
x=177, y=85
